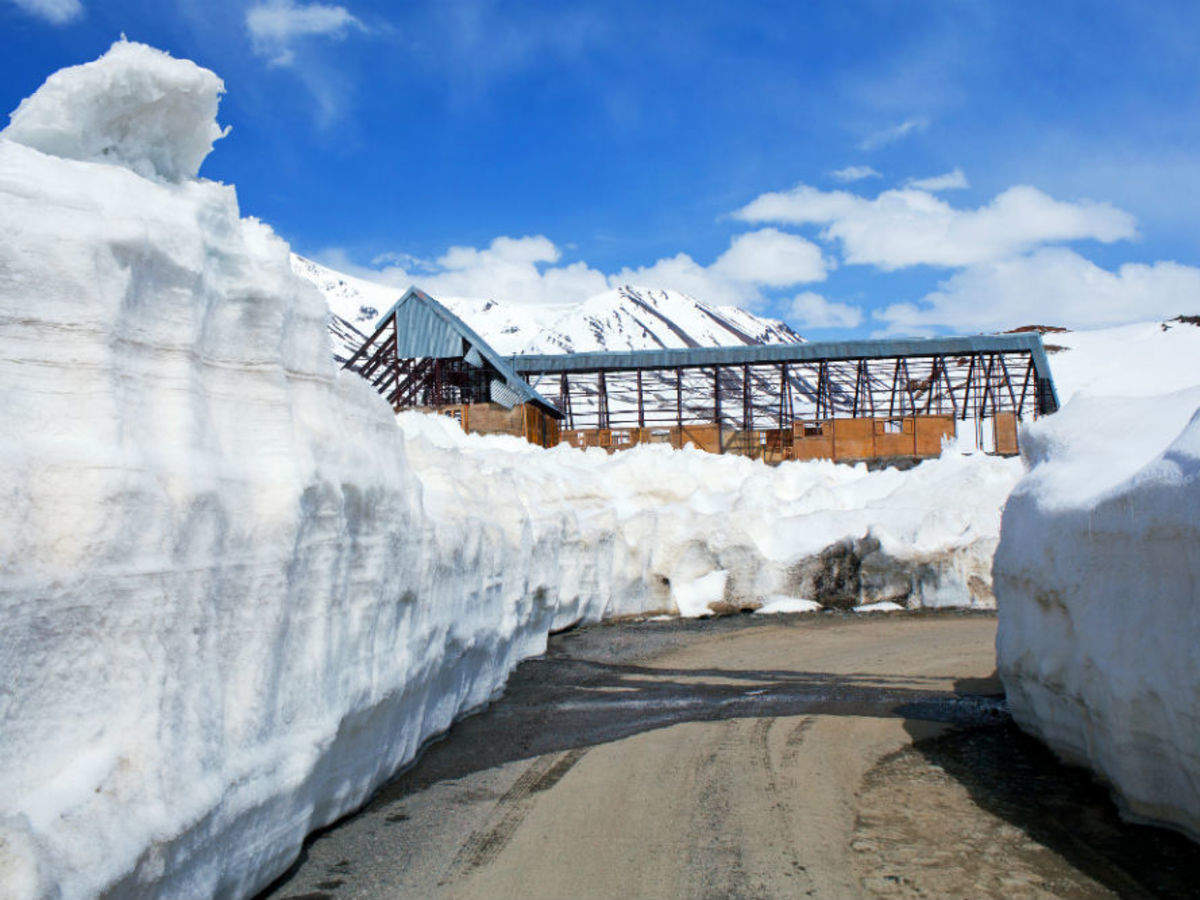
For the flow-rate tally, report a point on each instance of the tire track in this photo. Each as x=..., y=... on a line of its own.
x=777, y=799
x=792, y=743
x=484, y=844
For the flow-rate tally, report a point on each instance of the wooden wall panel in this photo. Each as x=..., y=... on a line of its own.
x=492, y=418
x=705, y=437
x=1005, y=425
x=779, y=442
x=931, y=430
x=655, y=436
x=576, y=437
x=853, y=439
x=891, y=443
x=812, y=440
x=843, y=440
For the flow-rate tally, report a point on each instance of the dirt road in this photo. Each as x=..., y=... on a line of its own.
x=826, y=756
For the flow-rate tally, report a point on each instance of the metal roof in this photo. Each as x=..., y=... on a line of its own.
x=425, y=328
x=693, y=357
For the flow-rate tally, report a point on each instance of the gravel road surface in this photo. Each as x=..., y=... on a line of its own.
x=785, y=756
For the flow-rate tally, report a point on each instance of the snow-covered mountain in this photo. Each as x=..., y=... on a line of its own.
x=636, y=318
x=354, y=303
x=625, y=318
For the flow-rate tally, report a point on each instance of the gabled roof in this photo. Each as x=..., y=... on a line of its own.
x=691, y=357
x=425, y=328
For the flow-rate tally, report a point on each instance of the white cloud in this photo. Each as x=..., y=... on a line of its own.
x=809, y=310
x=527, y=270
x=682, y=273
x=907, y=227
x=801, y=205
x=893, y=134
x=772, y=258
x=948, y=182
x=276, y=25
x=56, y=12
x=1053, y=286
x=756, y=260
x=854, y=173
x=520, y=270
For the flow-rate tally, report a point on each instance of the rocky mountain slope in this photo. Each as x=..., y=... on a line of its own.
x=625, y=318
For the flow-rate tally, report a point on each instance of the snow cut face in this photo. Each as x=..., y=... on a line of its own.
x=1097, y=580
x=135, y=107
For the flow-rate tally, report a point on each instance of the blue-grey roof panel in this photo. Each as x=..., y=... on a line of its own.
x=1029, y=342
x=425, y=328
x=771, y=353
x=420, y=331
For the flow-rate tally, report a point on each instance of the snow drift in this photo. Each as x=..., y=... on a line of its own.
x=1098, y=583
x=135, y=107
x=1145, y=359
x=235, y=596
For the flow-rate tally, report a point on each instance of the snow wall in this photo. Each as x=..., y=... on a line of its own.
x=235, y=597
x=1098, y=583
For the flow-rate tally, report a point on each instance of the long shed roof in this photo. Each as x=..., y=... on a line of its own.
x=686, y=357
x=808, y=352
x=426, y=328
x=694, y=357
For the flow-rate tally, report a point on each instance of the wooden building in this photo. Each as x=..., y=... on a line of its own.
x=422, y=356
x=849, y=401
x=887, y=400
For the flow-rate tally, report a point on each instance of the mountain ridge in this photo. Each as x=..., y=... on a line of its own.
x=626, y=317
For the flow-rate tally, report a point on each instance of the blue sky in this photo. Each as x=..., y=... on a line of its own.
x=778, y=155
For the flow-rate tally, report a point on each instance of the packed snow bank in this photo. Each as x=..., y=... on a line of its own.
x=1098, y=582
x=134, y=106
x=1146, y=359
x=235, y=597
x=712, y=533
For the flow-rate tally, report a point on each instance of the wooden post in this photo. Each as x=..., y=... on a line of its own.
x=933, y=372
x=987, y=387
x=782, y=391
x=717, y=394
x=895, y=383
x=1025, y=389
x=967, y=388
x=912, y=401
x=717, y=406
x=565, y=394
x=641, y=405
x=602, y=411
x=747, y=410
x=1008, y=382
x=949, y=390
x=679, y=403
